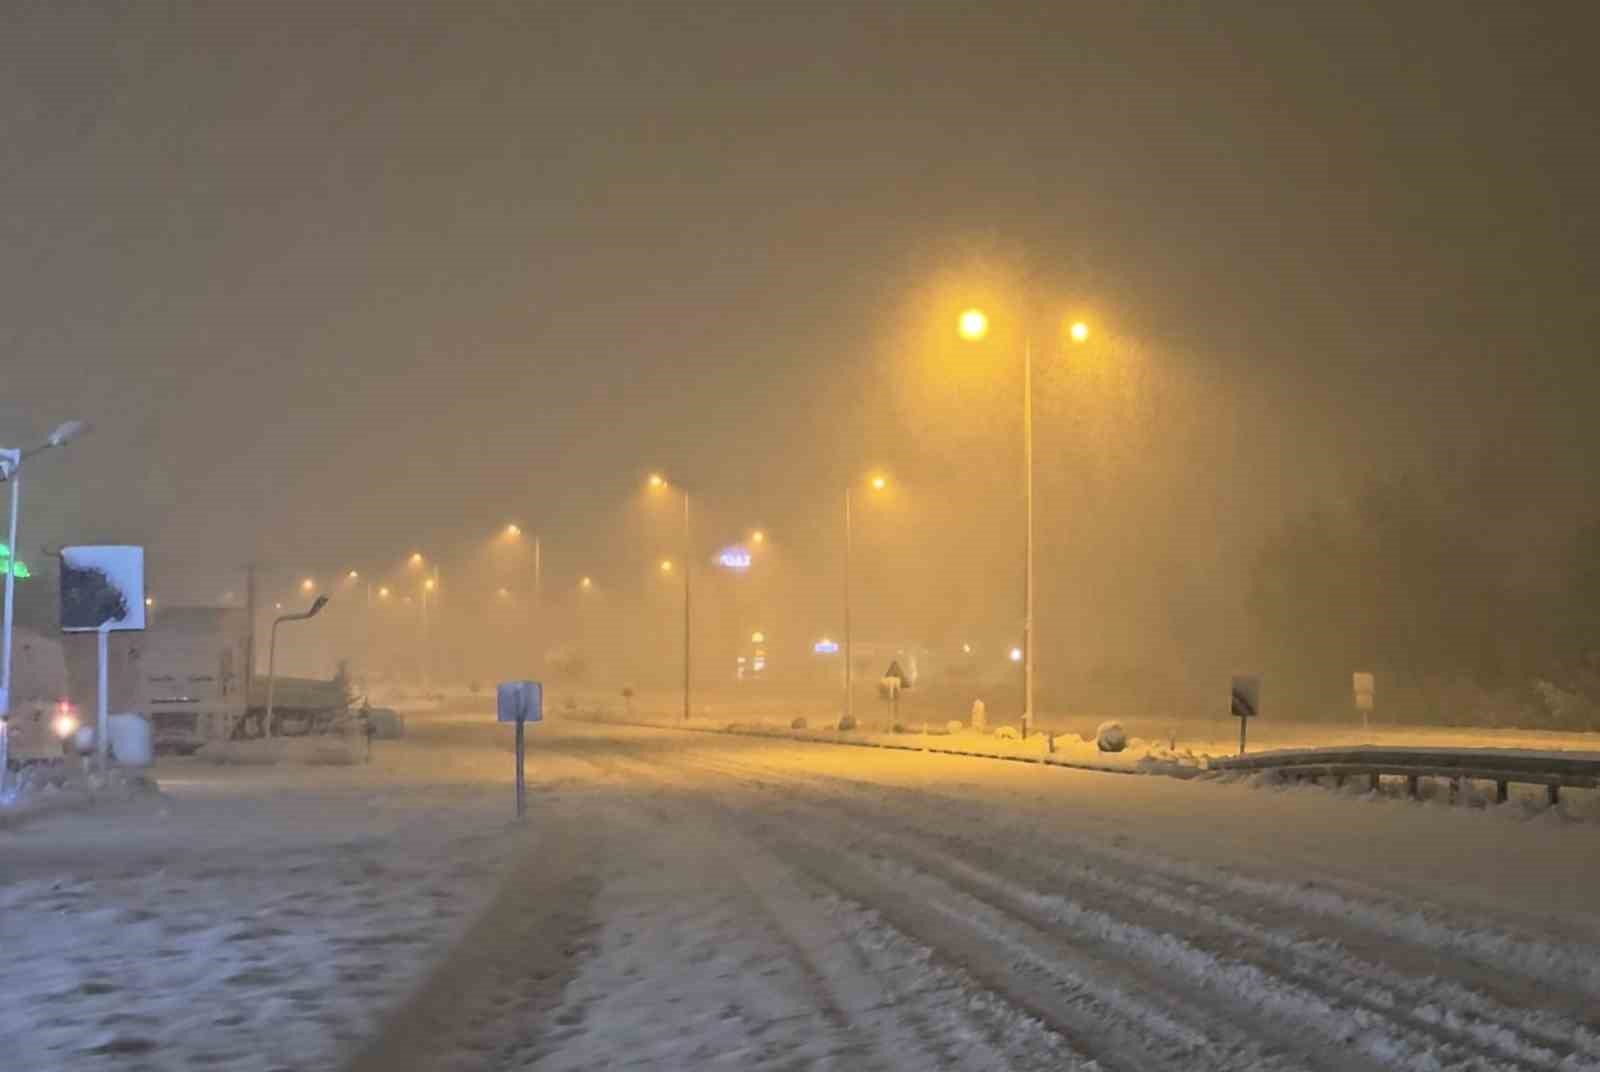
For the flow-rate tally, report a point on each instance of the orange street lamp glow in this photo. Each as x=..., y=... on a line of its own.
x=666, y=565
x=353, y=575
x=513, y=530
x=149, y=601
x=586, y=583
x=416, y=558
x=879, y=483
x=657, y=481
x=973, y=325
x=1079, y=331
x=502, y=593
x=428, y=584
x=383, y=593
x=307, y=585
x=758, y=536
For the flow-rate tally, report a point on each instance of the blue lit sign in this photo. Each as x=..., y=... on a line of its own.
x=826, y=647
x=734, y=558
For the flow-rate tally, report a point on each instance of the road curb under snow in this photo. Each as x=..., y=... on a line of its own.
x=1043, y=761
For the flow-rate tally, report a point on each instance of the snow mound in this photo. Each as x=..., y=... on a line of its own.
x=1006, y=733
x=1110, y=737
x=307, y=751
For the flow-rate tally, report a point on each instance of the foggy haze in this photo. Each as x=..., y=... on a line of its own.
x=334, y=286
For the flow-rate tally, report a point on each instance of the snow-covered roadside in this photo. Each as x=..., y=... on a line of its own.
x=1067, y=750
x=248, y=917
x=38, y=791
x=1157, y=757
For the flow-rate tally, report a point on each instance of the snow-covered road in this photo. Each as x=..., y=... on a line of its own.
x=767, y=904
x=690, y=900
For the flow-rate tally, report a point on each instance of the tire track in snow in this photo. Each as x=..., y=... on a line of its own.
x=1533, y=1038
x=1492, y=949
x=937, y=1020
x=1124, y=1017
x=1425, y=1030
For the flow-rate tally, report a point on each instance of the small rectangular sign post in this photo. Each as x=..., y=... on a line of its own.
x=1245, y=701
x=102, y=591
x=1366, y=687
x=520, y=702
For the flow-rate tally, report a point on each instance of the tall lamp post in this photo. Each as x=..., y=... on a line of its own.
x=876, y=483
x=272, y=654
x=658, y=483
x=11, y=472
x=973, y=325
x=513, y=532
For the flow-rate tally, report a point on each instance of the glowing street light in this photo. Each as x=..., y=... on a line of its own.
x=415, y=560
x=658, y=483
x=972, y=326
x=149, y=601
x=429, y=585
x=666, y=565
x=308, y=585
x=503, y=593
x=353, y=575
x=513, y=530
x=383, y=593
x=586, y=583
x=758, y=537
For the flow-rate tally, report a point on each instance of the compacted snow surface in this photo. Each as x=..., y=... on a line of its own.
x=697, y=900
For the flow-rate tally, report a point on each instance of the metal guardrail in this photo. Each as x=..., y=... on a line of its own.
x=1457, y=765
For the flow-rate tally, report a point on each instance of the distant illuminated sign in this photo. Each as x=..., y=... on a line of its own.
x=734, y=558
x=826, y=647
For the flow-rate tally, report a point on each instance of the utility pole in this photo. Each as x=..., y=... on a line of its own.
x=1027, y=546
x=688, y=568
x=849, y=693
x=250, y=629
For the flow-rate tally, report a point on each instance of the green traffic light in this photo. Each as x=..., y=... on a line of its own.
x=21, y=572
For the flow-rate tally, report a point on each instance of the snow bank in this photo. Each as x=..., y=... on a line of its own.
x=307, y=751
x=47, y=790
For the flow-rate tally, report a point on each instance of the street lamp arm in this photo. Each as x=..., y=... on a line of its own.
x=316, y=608
x=272, y=656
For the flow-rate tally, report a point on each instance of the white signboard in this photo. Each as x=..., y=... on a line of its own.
x=1366, y=686
x=102, y=588
x=519, y=701
x=1246, y=695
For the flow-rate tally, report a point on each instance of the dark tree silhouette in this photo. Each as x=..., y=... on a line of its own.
x=89, y=599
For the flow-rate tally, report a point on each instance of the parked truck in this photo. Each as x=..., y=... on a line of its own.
x=194, y=683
